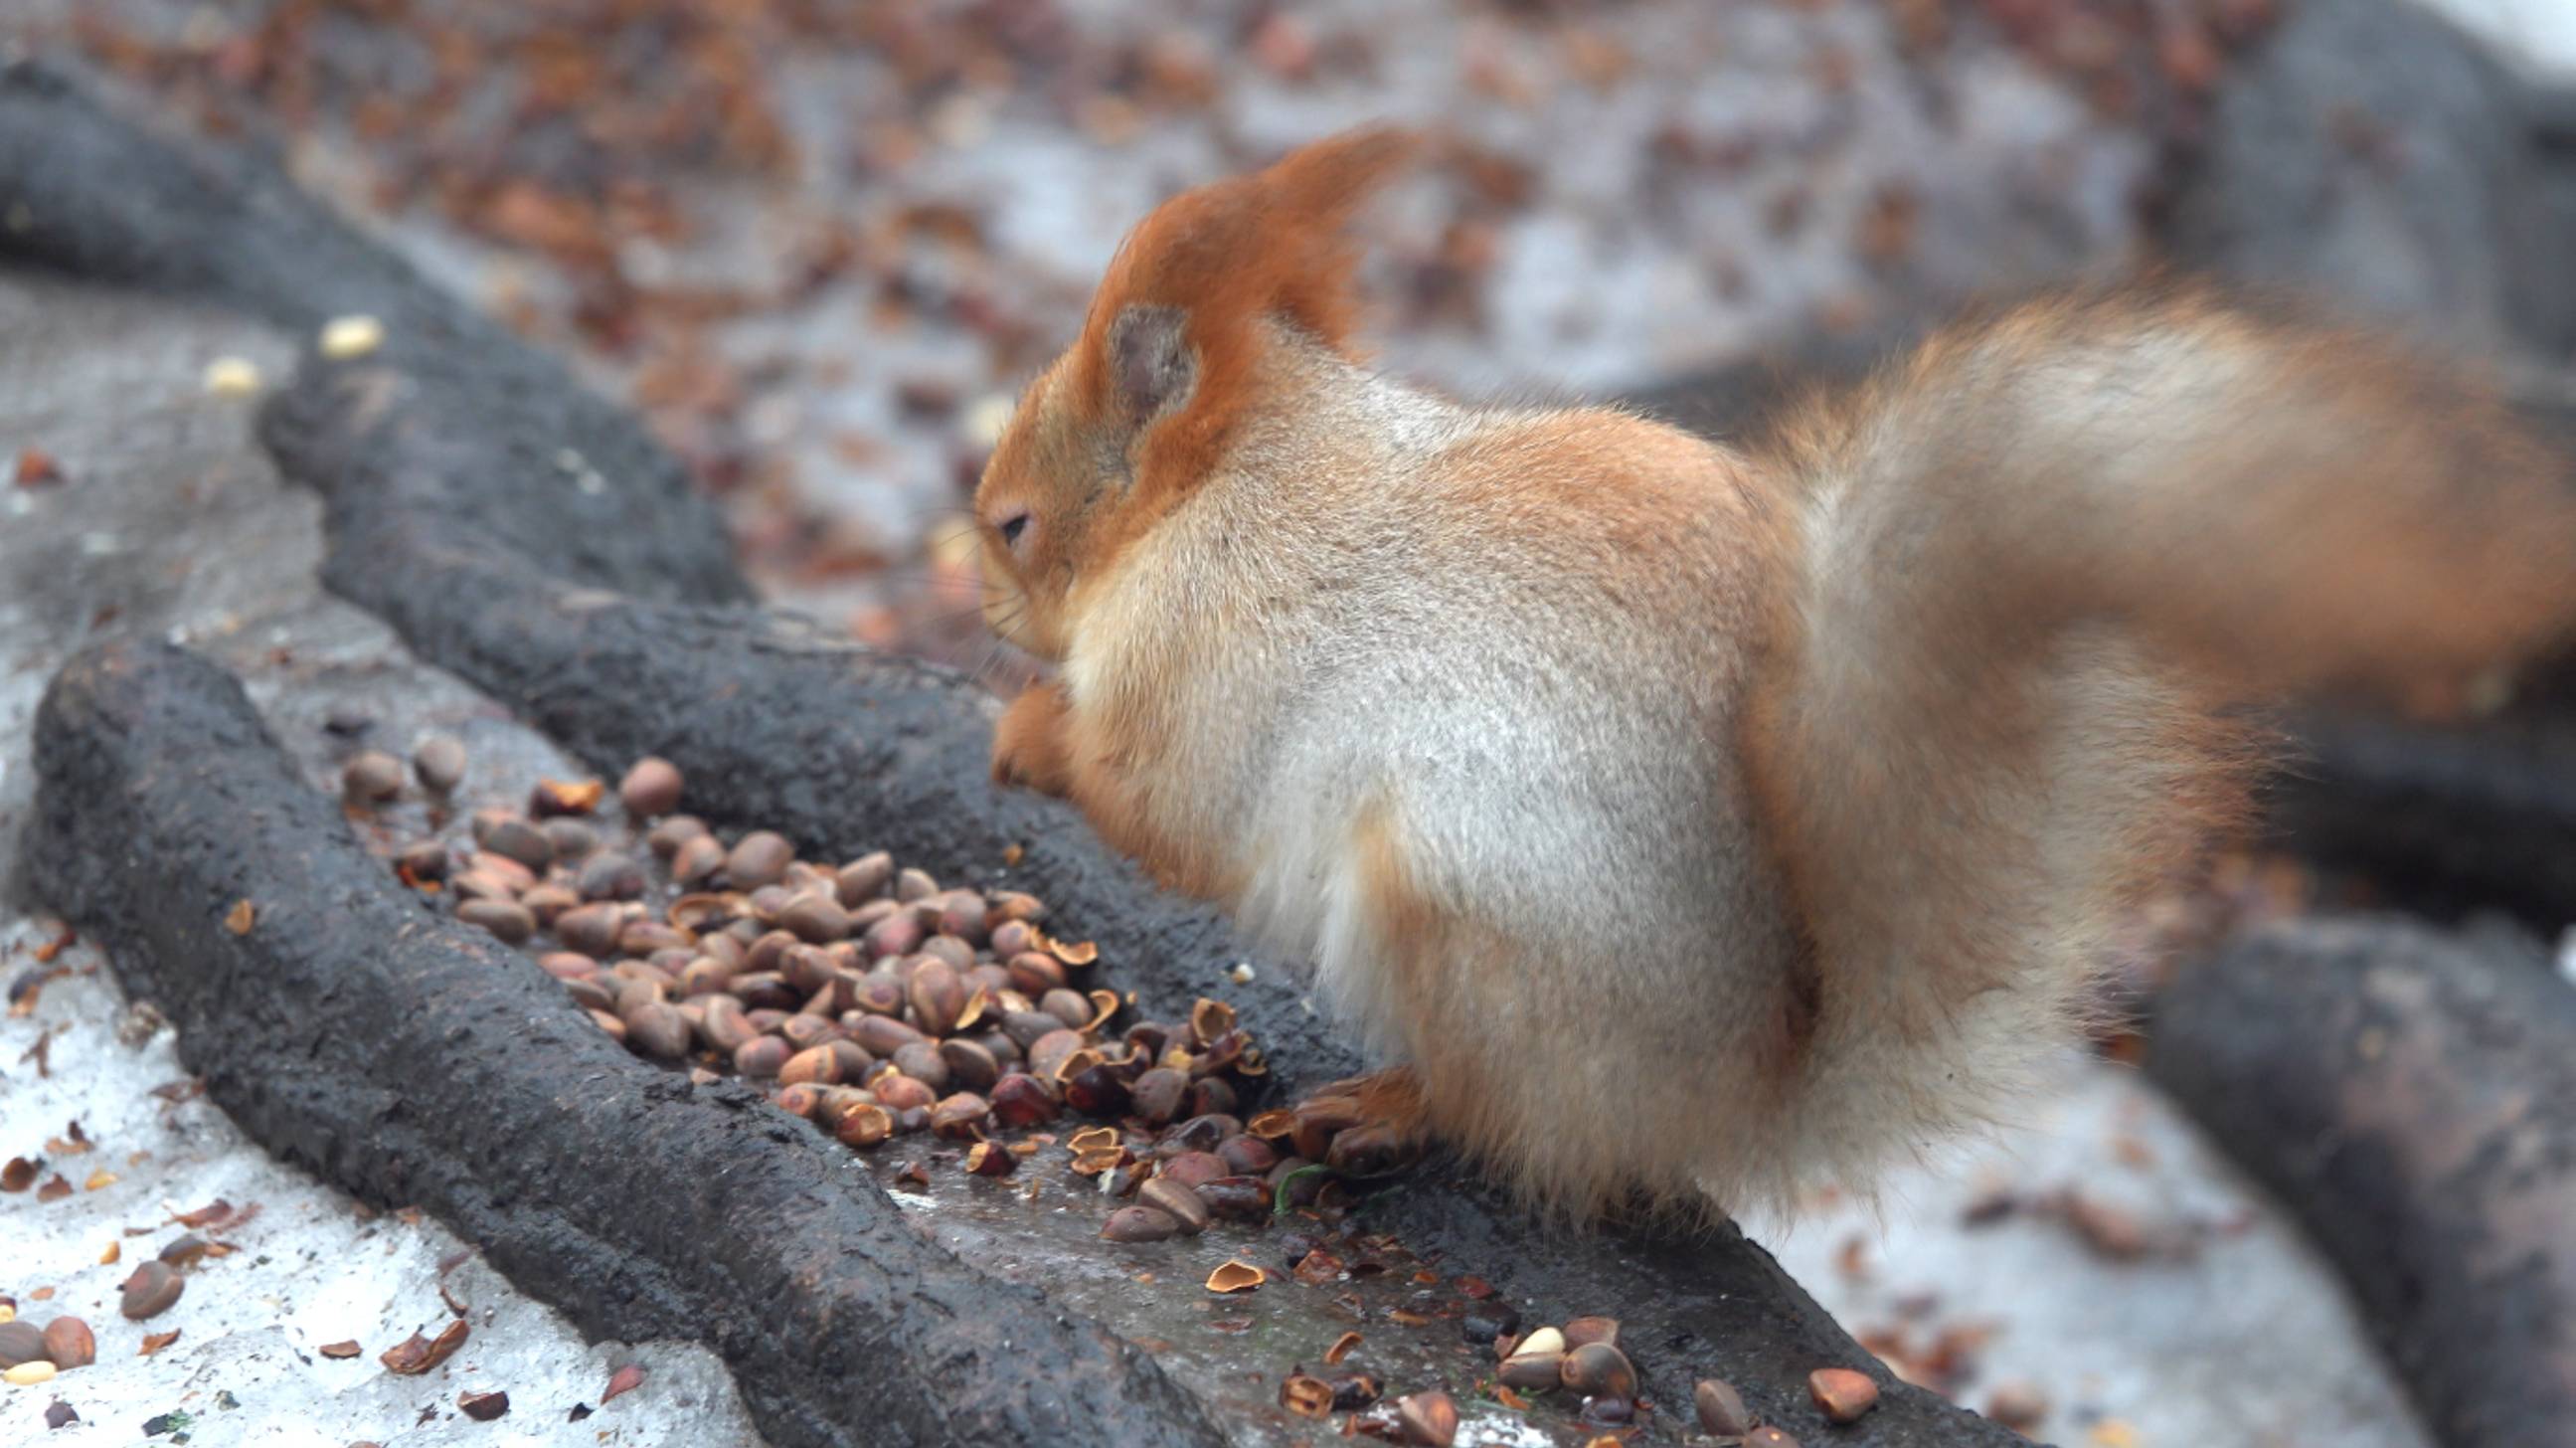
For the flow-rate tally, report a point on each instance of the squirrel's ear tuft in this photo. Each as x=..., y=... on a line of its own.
x=1176, y=327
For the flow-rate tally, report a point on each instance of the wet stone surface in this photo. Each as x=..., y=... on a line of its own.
x=1237, y=1348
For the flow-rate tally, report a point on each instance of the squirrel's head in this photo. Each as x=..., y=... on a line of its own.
x=1144, y=405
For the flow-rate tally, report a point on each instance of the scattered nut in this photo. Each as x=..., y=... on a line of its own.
x=875, y=1002
x=1582, y=1330
x=1534, y=1369
x=960, y=1116
x=1721, y=1409
x=439, y=763
x=1139, y=1224
x=651, y=788
x=505, y=920
x=371, y=778
x=757, y=859
x=1181, y=1203
x=1842, y=1393
x=150, y=1291
x=69, y=1343
x=1596, y=1369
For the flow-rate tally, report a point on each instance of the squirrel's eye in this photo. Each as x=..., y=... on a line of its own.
x=1013, y=526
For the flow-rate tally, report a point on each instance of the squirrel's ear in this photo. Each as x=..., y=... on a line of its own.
x=1175, y=332
x=1151, y=367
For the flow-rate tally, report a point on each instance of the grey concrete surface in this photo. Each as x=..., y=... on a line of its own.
x=167, y=520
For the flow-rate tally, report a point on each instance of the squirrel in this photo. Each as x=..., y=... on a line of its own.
x=1695, y=823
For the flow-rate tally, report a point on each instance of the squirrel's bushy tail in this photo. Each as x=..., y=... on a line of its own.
x=2035, y=564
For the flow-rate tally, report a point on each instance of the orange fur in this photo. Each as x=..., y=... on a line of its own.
x=1029, y=744
x=1692, y=821
x=1241, y=258
x=1233, y=254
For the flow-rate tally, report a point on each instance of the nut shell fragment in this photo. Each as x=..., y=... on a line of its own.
x=415, y=1354
x=1306, y=1397
x=1429, y=1419
x=1235, y=1275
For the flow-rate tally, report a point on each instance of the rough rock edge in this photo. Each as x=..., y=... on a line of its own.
x=2418, y=1111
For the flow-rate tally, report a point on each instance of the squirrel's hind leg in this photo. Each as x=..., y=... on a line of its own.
x=1376, y=1123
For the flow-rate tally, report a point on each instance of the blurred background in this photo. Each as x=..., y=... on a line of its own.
x=819, y=246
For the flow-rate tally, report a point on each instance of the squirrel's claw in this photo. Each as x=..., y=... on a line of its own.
x=1029, y=743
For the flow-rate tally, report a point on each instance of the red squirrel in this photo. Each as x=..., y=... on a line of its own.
x=1700, y=822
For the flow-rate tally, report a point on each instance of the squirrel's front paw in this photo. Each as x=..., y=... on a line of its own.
x=1028, y=743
